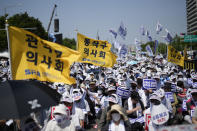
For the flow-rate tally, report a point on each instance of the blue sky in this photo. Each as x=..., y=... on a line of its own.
x=90, y=16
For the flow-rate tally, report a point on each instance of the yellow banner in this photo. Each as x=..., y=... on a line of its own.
x=174, y=56
x=96, y=52
x=35, y=58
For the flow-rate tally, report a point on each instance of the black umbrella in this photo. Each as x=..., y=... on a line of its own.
x=20, y=98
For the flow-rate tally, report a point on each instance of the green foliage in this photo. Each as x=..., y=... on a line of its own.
x=70, y=43
x=25, y=21
x=148, y=43
x=179, y=44
x=21, y=21
x=3, y=37
x=161, y=49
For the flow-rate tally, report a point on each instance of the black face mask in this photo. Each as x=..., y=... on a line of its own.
x=155, y=102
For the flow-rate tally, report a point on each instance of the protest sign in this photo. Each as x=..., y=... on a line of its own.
x=159, y=114
x=170, y=96
x=123, y=92
x=149, y=84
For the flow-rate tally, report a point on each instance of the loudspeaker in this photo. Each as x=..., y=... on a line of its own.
x=56, y=25
x=58, y=38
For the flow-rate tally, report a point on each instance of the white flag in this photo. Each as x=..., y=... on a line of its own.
x=158, y=28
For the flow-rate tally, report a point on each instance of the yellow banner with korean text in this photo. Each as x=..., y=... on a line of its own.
x=174, y=56
x=35, y=58
x=96, y=52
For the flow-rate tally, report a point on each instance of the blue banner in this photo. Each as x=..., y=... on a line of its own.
x=173, y=86
x=123, y=93
x=170, y=96
x=149, y=84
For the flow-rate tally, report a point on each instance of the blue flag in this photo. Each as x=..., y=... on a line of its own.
x=123, y=50
x=142, y=30
x=137, y=41
x=138, y=47
x=149, y=50
x=113, y=33
x=150, y=38
x=156, y=44
x=147, y=33
x=158, y=28
x=122, y=31
x=168, y=37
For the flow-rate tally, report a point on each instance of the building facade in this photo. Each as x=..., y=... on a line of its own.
x=191, y=8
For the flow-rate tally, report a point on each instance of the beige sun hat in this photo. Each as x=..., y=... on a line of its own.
x=119, y=109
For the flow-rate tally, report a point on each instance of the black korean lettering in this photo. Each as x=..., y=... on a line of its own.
x=174, y=55
x=172, y=49
x=32, y=57
x=48, y=62
x=59, y=65
x=86, y=51
x=103, y=45
x=94, y=52
x=58, y=53
x=47, y=47
x=32, y=41
x=87, y=41
x=102, y=54
x=179, y=57
x=95, y=43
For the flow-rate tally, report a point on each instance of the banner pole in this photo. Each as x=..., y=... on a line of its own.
x=76, y=39
x=8, y=40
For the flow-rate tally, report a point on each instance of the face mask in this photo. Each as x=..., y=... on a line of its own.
x=115, y=116
x=60, y=119
x=99, y=92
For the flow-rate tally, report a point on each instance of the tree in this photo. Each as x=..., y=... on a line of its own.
x=3, y=37
x=148, y=43
x=161, y=49
x=70, y=43
x=22, y=21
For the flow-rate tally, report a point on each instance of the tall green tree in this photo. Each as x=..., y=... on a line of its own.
x=70, y=43
x=161, y=49
x=22, y=20
x=3, y=37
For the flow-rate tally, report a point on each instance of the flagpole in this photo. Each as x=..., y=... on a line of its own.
x=76, y=30
x=7, y=32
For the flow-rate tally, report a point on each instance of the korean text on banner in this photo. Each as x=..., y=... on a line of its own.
x=35, y=58
x=174, y=56
x=96, y=52
x=149, y=84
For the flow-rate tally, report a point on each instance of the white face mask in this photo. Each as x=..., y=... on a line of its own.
x=100, y=92
x=115, y=116
x=60, y=119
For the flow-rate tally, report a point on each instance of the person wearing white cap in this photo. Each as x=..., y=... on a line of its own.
x=80, y=107
x=166, y=102
x=191, y=104
x=155, y=101
x=113, y=99
x=61, y=121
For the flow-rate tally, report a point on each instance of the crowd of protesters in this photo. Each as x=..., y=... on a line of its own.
x=114, y=99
